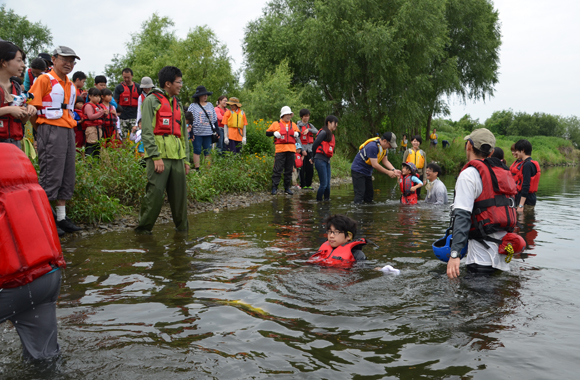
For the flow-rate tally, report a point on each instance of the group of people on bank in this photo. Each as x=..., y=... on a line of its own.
x=488, y=194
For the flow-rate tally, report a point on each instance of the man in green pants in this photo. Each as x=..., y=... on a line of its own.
x=164, y=137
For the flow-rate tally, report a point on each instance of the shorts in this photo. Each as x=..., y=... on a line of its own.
x=200, y=141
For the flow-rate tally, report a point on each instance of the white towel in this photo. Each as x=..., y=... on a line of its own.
x=390, y=269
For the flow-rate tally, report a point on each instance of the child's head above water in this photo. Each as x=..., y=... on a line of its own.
x=408, y=168
x=340, y=229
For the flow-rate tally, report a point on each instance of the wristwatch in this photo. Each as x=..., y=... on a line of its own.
x=454, y=254
x=521, y=206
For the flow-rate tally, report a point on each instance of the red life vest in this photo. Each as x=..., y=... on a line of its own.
x=519, y=175
x=29, y=244
x=287, y=135
x=142, y=96
x=10, y=127
x=79, y=123
x=326, y=148
x=129, y=97
x=340, y=256
x=494, y=210
x=405, y=184
x=31, y=77
x=109, y=123
x=167, y=120
x=299, y=161
x=307, y=138
x=93, y=123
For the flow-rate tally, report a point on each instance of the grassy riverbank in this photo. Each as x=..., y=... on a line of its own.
x=112, y=186
x=548, y=151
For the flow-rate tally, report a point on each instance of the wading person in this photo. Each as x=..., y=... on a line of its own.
x=323, y=148
x=409, y=183
x=484, y=192
x=54, y=98
x=164, y=136
x=31, y=257
x=127, y=96
x=285, y=134
x=307, y=133
x=372, y=153
x=527, y=175
x=416, y=156
x=12, y=117
x=436, y=190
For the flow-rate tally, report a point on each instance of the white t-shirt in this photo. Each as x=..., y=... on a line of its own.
x=467, y=189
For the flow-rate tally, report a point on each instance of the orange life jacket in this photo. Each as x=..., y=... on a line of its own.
x=340, y=256
x=129, y=97
x=10, y=127
x=519, y=175
x=29, y=244
x=287, y=135
x=326, y=148
x=408, y=197
x=167, y=119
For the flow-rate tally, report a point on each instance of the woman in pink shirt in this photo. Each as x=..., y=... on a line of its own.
x=220, y=110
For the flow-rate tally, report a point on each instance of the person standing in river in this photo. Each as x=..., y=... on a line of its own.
x=164, y=136
x=484, y=192
x=323, y=148
x=527, y=175
x=418, y=157
x=307, y=133
x=371, y=154
x=285, y=134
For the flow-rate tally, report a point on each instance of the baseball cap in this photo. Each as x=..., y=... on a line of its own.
x=480, y=137
x=64, y=51
x=391, y=138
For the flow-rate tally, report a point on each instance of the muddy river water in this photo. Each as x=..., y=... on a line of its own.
x=234, y=299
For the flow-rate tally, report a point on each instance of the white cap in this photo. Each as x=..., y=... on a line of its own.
x=286, y=111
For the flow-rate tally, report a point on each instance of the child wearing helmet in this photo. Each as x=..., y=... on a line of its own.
x=409, y=183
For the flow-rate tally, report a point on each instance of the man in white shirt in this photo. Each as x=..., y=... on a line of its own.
x=474, y=203
x=436, y=190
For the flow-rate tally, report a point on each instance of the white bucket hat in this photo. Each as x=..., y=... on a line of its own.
x=286, y=111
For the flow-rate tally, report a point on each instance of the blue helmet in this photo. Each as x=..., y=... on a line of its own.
x=442, y=247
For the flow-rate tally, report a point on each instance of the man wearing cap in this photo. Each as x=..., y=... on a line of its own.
x=235, y=120
x=146, y=86
x=484, y=192
x=371, y=154
x=127, y=96
x=286, y=134
x=54, y=98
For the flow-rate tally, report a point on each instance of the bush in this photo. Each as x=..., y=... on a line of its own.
x=257, y=141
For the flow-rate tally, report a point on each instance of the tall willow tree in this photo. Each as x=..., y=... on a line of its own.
x=201, y=57
x=382, y=64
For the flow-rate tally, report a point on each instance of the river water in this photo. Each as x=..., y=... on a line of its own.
x=235, y=300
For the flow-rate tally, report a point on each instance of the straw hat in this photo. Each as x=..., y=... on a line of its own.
x=235, y=101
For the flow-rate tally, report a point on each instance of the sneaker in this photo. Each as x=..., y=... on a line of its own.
x=67, y=225
x=308, y=188
x=289, y=192
x=274, y=190
x=59, y=231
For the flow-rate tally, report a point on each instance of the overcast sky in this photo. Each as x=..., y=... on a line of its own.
x=540, y=55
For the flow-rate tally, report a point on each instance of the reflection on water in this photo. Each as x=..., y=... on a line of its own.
x=234, y=299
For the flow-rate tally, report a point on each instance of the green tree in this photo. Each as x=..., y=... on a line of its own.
x=500, y=121
x=31, y=37
x=467, y=124
x=379, y=64
x=201, y=57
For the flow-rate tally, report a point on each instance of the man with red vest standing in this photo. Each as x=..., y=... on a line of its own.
x=164, y=136
x=286, y=134
x=30, y=254
x=483, y=209
x=127, y=96
x=54, y=98
x=527, y=175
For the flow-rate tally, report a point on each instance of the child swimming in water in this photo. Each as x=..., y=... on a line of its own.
x=340, y=250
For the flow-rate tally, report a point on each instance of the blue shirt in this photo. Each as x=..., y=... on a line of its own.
x=359, y=165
